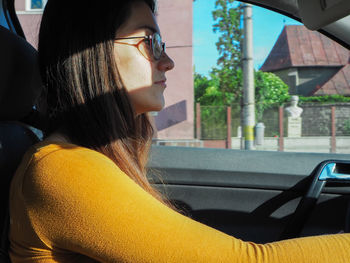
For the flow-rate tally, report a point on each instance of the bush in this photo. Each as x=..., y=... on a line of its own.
x=324, y=99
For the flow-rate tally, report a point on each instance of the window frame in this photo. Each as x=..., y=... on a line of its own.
x=28, y=5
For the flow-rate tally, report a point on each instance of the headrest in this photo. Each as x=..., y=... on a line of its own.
x=20, y=82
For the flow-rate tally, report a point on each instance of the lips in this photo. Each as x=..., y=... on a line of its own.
x=160, y=81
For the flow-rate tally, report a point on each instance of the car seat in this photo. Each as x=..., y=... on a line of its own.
x=20, y=87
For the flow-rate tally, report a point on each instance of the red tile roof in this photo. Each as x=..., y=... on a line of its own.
x=299, y=47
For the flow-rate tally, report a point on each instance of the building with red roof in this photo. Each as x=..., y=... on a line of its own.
x=309, y=63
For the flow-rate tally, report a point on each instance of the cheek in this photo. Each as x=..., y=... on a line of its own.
x=135, y=71
x=137, y=74
x=137, y=78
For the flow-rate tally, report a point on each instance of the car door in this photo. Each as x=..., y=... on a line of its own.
x=251, y=195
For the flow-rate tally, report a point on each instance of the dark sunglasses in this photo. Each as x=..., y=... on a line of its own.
x=154, y=49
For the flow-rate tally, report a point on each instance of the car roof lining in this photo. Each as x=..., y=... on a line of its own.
x=285, y=7
x=290, y=9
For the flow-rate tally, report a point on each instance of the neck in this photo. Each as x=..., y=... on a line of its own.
x=57, y=137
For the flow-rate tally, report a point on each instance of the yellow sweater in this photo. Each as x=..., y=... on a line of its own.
x=72, y=204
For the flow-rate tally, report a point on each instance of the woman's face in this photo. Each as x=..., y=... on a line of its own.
x=144, y=78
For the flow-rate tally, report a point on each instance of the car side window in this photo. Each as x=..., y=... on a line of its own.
x=3, y=20
x=301, y=77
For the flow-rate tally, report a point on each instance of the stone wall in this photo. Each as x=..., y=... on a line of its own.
x=317, y=120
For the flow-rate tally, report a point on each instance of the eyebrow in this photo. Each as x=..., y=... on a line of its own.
x=151, y=28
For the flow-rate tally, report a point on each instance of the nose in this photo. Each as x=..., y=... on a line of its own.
x=165, y=63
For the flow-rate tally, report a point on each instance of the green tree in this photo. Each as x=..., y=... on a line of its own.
x=270, y=91
x=210, y=97
x=201, y=84
x=228, y=23
x=209, y=93
x=224, y=85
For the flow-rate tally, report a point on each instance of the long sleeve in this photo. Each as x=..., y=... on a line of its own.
x=78, y=200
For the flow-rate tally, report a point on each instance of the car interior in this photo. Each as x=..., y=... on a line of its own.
x=20, y=88
x=254, y=195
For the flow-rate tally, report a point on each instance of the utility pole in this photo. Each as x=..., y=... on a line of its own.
x=248, y=79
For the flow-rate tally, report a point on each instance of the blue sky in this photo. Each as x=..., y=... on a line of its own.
x=267, y=26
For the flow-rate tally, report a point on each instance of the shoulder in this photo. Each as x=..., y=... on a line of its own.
x=64, y=168
x=58, y=152
x=70, y=193
x=68, y=157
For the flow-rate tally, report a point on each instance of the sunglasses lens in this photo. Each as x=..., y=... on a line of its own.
x=157, y=46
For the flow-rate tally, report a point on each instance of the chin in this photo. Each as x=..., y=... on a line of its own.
x=157, y=108
x=149, y=108
x=159, y=105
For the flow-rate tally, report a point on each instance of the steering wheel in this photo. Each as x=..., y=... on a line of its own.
x=326, y=171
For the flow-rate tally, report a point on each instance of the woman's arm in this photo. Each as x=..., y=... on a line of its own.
x=81, y=201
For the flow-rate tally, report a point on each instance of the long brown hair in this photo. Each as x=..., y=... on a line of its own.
x=86, y=99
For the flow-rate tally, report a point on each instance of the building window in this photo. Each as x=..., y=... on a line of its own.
x=35, y=5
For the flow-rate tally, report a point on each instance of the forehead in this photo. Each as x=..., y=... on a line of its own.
x=141, y=19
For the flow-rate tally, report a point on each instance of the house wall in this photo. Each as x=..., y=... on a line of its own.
x=285, y=75
x=304, y=80
x=311, y=77
x=175, y=121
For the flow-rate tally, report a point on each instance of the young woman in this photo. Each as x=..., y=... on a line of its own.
x=82, y=195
